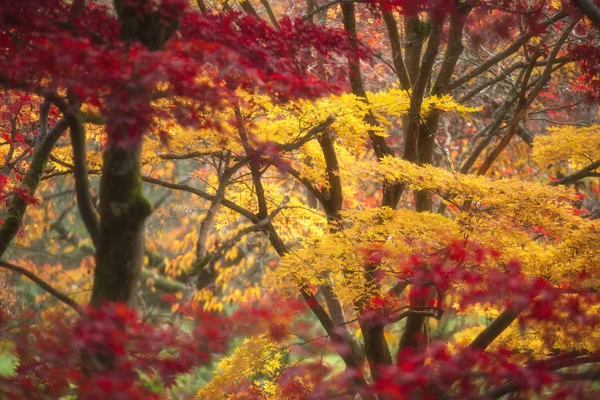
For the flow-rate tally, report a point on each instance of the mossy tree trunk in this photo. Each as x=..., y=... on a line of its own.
x=123, y=207
x=123, y=211
x=18, y=205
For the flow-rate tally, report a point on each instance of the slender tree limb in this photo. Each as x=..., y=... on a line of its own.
x=44, y=111
x=227, y=244
x=394, y=38
x=42, y=284
x=391, y=191
x=208, y=222
x=249, y=8
x=411, y=134
x=590, y=10
x=333, y=195
x=77, y=132
x=338, y=317
x=186, y=188
x=454, y=49
x=434, y=312
x=312, y=12
x=526, y=99
x=201, y=5
x=513, y=48
x=330, y=329
x=574, y=177
x=32, y=178
x=495, y=329
x=193, y=154
x=525, y=134
x=206, y=274
x=307, y=183
x=88, y=212
x=429, y=127
x=415, y=35
x=512, y=130
x=546, y=74
x=54, y=174
x=254, y=166
x=310, y=135
x=270, y=13
x=513, y=386
x=505, y=73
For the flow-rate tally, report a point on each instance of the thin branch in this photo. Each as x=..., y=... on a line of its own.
x=513, y=386
x=87, y=211
x=574, y=177
x=193, y=154
x=254, y=166
x=333, y=195
x=327, y=6
x=495, y=329
x=249, y=8
x=84, y=202
x=434, y=312
x=15, y=214
x=307, y=183
x=590, y=10
x=418, y=90
x=394, y=38
x=270, y=12
x=513, y=48
x=526, y=100
x=186, y=188
x=201, y=5
x=312, y=132
x=44, y=111
x=207, y=224
x=477, y=89
x=257, y=226
x=42, y=284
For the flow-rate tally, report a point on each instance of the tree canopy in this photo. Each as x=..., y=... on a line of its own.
x=379, y=199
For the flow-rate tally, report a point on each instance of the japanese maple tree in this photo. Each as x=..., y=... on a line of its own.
x=387, y=200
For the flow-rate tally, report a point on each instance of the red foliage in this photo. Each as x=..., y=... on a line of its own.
x=44, y=50
x=105, y=352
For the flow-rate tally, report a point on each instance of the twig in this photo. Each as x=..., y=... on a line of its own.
x=574, y=177
x=42, y=284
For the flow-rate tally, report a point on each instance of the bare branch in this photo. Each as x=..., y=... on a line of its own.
x=42, y=284
x=582, y=173
x=513, y=48
x=590, y=10
x=495, y=329
x=227, y=244
x=15, y=214
x=270, y=13
x=394, y=38
x=312, y=132
x=186, y=188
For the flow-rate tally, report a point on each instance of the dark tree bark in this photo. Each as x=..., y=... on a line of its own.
x=123, y=210
x=17, y=208
x=123, y=207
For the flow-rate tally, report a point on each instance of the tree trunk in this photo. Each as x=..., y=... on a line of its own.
x=123, y=207
x=123, y=210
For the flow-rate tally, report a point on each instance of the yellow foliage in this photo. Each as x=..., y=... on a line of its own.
x=526, y=203
x=257, y=355
x=579, y=146
x=341, y=255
